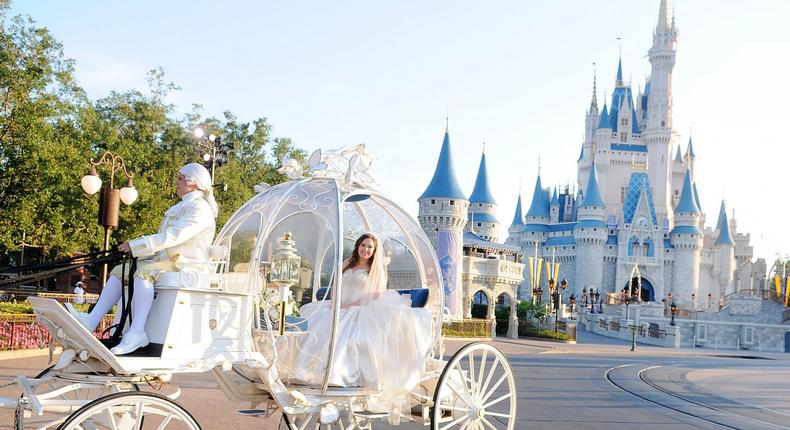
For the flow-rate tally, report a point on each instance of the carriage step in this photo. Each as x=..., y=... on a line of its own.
x=253, y=412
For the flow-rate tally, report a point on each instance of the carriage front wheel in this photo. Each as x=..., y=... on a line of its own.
x=475, y=390
x=131, y=411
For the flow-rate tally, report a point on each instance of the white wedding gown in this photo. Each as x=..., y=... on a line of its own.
x=381, y=345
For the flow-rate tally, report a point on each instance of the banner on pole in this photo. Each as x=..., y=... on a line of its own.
x=449, y=244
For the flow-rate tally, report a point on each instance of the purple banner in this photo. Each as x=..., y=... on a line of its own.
x=449, y=253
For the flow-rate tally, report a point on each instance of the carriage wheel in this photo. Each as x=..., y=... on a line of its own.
x=310, y=421
x=131, y=411
x=476, y=390
x=49, y=383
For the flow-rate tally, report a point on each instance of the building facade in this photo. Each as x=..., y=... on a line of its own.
x=636, y=204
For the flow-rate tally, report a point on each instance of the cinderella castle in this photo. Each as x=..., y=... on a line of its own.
x=636, y=206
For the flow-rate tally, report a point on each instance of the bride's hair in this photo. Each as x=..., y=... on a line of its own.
x=354, y=260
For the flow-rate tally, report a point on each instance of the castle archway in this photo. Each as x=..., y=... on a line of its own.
x=481, y=303
x=647, y=292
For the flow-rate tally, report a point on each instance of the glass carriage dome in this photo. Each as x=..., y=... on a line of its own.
x=323, y=215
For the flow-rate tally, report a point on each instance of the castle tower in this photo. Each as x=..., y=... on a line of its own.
x=482, y=207
x=554, y=207
x=658, y=132
x=442, y=215
x=686, y=238
x=590, y=234
x=591, y=119
x=537, y=219
x=514, y=231
x=724, y=263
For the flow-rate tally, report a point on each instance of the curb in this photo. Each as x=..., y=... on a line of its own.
x=25, y=353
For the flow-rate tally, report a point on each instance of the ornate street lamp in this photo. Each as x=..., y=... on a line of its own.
x=217, y=150
x=285, y=272
x=673, y=309
x=572, y=301
x=109, y=203
x=627, y=302
x=693, y=301
x=710, y=300
x=584, y=296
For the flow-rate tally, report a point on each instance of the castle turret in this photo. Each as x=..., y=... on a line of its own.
x=658, y=131
x=591, y=119
x=590, y=234
x=482, y=207
x=724, y=264
x=554, y=207
x=537, y=219
x=686, y=239
x=442, y=215
x=514, y=231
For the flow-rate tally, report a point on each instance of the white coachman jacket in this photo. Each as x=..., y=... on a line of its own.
x=184, y=237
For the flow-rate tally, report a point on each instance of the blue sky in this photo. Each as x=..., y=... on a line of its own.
x=515, y=74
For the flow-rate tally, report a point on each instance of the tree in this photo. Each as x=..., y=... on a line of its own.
x=40, y=142
x=49, y=130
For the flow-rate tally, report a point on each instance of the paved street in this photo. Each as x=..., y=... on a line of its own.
x=595, y=384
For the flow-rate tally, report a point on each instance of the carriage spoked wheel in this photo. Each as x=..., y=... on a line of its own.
x=131, y=411
x=476, y=390
x=52, y=388
x=312, y=421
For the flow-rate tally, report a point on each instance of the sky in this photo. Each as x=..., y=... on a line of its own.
x=516, y=75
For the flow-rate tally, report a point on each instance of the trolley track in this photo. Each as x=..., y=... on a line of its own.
x=724, y=418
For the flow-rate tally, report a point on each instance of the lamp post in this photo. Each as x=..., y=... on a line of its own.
x=572, y=301
x=672, y=309
x=109, y=201
x=693, y=301
x=584, y=296
x=539, y=292
x=214, y=145
x=627, y=302
x=710, y=300
x=285, y=272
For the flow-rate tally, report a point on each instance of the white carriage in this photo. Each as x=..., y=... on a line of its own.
x=226, y=323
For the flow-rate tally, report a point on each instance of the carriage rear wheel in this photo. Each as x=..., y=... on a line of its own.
x=131, y=411
x=475, y=390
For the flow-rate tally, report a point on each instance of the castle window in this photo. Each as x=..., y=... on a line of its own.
x=702, y=332
x=480, y=205
x=479, y=224
x=490, y=206
x=452, y=202
x=623, y=137
x=433, y=201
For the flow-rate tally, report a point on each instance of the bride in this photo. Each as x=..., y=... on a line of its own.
x=381, y=342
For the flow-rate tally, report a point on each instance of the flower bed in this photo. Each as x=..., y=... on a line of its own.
x=21, y=331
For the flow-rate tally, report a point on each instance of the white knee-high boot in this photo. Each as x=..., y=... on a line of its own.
x=141, y=304
x=110, y=295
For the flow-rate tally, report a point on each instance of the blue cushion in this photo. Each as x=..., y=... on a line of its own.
x=419, y=296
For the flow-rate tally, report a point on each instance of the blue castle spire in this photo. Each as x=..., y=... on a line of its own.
x=687, y=202
x=603, y=122
x=690, y=150
x=539, y=206
x=678, y=157
x=517, y=218
x=619, y=71
x=481, y=192
x=725, y=238
x=592, y=196
x=444, y=184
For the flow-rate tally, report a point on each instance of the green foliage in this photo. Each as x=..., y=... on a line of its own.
x=466, y=328
x=49, y=130
x=27, y=308
x=479, y=310
x=527, y=309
